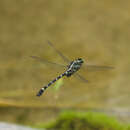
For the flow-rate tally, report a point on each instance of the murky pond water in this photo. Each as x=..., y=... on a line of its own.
x=96, y=31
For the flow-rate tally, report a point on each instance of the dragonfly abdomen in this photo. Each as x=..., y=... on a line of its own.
x=49, y=84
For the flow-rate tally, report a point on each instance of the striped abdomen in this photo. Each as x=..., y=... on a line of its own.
x=49, y=84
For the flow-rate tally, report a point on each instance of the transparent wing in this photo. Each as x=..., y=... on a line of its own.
x=90, y=67
x=46, y=61
x=81, y=78
x=59, y=53
x=93, y=67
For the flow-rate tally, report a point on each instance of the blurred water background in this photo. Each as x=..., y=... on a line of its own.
x=97, y=31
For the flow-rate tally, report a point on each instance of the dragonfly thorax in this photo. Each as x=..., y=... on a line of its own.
x=74, y=66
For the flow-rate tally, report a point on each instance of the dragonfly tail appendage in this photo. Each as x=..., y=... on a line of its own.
x=41, y=91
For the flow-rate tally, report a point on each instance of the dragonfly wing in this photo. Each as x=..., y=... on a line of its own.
x=92, y=67
x=81, y=78
x=59, y=53
x=46, y=61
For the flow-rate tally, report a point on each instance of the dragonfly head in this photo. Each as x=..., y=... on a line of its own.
x=80, y=60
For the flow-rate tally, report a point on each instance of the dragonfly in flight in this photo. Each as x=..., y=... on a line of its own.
x=72, y=68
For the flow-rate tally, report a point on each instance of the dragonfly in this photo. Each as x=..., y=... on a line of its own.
x=71, y=68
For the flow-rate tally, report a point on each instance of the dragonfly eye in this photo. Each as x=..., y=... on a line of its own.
x=80, y=60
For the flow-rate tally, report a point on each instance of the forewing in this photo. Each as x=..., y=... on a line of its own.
x=93, y=67
x=46, y=61
x=59, y=53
